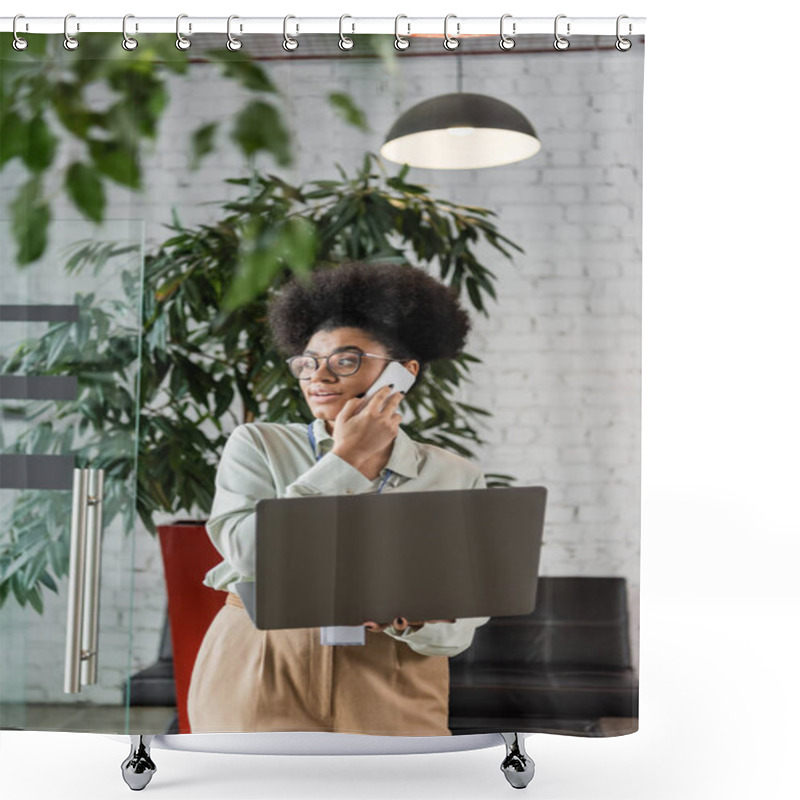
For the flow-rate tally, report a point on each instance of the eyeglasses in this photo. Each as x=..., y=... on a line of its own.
x=343, y=363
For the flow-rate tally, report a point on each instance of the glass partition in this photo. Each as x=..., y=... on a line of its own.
x=70, y=328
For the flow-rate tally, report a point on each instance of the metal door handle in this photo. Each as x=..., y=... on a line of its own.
x=91, y=586
x=83, y=598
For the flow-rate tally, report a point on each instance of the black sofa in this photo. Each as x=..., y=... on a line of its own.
x=565, y=668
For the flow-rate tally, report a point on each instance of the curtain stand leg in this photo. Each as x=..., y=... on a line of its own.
x=138, y=768
x=517, y=766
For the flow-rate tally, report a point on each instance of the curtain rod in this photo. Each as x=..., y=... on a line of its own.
x=296, y=25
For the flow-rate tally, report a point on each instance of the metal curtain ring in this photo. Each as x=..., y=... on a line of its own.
x=506, y=42
x=623, y=45
x=233, y=44
x=289, y=44
x=450, y=42
x=560, y=42
x=182, y=43
x=345, y=42
x=70, y=43
x=19, y=43
x=127, y=42
x=400, y=42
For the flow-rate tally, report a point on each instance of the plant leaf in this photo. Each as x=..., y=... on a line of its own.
x=116, y=160
x=345, y=107
x=13, y=136
x=258, y=126
x=202, y=143
x=292, y=246
x=85, y=189
x=30, y=219
x=239, y=66
x=41, y=145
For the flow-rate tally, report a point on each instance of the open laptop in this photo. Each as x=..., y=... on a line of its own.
x=344, y=559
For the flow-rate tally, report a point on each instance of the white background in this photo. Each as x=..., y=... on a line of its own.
x=719, y=681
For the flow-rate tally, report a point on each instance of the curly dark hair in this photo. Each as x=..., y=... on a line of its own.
x=409, y=312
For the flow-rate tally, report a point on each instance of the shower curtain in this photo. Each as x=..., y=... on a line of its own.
x=157, y=204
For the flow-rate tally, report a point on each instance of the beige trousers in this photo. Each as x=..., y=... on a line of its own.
x=245, y=679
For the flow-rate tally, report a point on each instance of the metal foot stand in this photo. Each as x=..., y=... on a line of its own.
x=517, y=766
x=138, y=768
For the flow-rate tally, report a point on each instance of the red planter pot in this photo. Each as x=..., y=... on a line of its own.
x=188, y=554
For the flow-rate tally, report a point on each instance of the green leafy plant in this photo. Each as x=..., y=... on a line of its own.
x=47, y=105
x=206, y=354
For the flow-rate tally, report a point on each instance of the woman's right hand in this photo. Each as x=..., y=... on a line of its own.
x=364, y=429
x=399, y=624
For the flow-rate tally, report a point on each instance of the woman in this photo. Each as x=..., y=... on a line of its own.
x=341, y=330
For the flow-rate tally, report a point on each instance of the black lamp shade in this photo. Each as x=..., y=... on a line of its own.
x=460, y=131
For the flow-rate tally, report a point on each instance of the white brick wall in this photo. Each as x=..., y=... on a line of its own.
x=562, y=347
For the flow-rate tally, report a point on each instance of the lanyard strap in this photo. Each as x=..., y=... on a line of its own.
x=312, y=440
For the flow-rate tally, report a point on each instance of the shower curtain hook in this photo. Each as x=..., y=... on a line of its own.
x=19, y=43
x=400, y=42
x=561, y=43
x=127, y=42
x=70, y=43
x=450, y=42
x=289, y=44
x=233, y=44
x=182, y=43
x=506, y=42
x=623, y=45
x=345, y=42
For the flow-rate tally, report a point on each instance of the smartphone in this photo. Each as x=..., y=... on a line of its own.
x=395, y=375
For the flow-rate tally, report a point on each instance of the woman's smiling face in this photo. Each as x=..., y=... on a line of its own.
x=325, y=392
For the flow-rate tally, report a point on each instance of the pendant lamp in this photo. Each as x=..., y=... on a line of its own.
x=460, y=131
